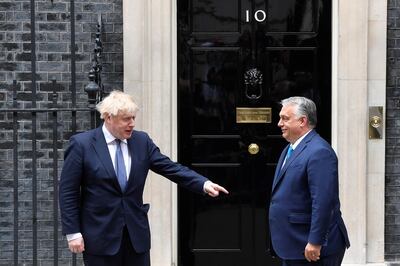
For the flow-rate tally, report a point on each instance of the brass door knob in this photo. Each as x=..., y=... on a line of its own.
x=253, y=149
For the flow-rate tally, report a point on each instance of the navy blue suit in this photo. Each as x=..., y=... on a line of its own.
x=92, y=202
x=305, y=203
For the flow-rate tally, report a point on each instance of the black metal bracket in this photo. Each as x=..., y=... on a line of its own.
x=95, y=88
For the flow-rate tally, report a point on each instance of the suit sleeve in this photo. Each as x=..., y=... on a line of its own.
x=323, y=186
x=69, y=191
x=182, y=175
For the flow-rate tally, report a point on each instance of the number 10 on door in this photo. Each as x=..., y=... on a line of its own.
x=259, y=15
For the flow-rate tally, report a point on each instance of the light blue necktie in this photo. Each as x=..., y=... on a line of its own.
x=120, y=166
x=288, y=154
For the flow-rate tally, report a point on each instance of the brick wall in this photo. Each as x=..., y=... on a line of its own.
x=53, y=61
x=392, y=205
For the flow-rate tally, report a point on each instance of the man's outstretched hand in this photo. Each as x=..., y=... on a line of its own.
x=213, y=189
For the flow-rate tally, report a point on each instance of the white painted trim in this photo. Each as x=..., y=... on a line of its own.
x=377, y=46
x=174, y=128
x=334, y=81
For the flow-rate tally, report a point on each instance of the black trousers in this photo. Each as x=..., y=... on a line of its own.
x=126, y=256
x=331, y=260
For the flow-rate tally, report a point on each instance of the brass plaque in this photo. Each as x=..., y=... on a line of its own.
x=253, y=115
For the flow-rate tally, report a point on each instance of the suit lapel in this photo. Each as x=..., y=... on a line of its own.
x=279, y=173
x=131, y=147
x=100, y=146
x=278, y=169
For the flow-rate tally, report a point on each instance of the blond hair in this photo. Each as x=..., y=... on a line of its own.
x=117, y=101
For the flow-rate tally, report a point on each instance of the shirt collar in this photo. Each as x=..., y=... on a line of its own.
x=294, y=145
x=109, y=137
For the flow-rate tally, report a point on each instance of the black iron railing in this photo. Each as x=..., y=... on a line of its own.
x=63, y=119
x=57, y=117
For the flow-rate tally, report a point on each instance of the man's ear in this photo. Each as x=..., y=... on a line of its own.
x=304, y=121
x=107, y=117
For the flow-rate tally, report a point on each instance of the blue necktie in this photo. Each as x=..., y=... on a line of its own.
x=120, y=166
x=289, y=152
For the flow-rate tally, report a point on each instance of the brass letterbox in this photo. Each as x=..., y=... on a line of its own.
x=253, y=115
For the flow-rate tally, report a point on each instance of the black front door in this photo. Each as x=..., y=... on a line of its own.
x=235, y=54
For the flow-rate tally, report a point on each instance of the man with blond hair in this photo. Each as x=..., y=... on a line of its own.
x=102, y=182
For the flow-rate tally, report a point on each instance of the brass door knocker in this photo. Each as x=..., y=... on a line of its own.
x=253, y=80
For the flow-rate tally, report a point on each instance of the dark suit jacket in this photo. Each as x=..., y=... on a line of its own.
x=91, y=200
x=305, y=203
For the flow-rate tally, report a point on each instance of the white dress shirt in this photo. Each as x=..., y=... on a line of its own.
x=294, y=145
x=112, y=148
